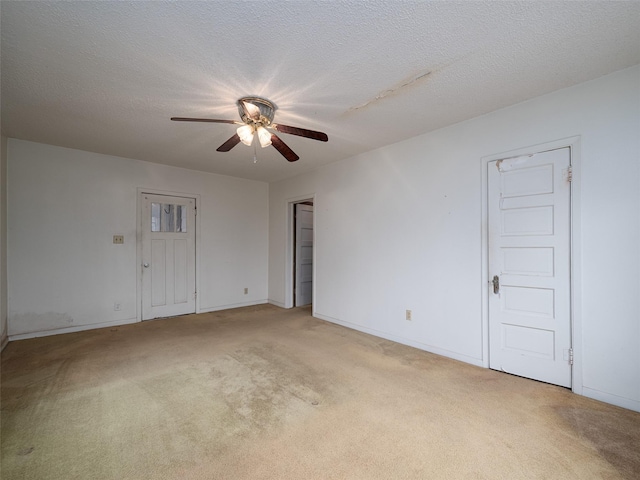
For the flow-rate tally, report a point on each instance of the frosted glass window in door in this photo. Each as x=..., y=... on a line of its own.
x=155, y=217
x=168, y=217
x=181, y=218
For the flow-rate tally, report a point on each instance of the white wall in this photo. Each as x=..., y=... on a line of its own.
x=64, y=208
x=3, y=242
x=401, y=228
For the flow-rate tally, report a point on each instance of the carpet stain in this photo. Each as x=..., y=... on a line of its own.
x=609, y=433
x=25, y=451
x=266, y=389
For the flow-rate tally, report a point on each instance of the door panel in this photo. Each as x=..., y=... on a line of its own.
x=527, y=221
x=529, y=256
x=528, y=181
x=527, y=261
x=168, y=256
x=529, y=301
x=158, y=272
x=528, y=341
x=180, y=270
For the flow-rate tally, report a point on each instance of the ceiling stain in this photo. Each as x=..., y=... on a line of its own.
x=393, y=90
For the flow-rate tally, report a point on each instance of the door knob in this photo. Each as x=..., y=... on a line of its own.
x=145, y=265
x=496, y=284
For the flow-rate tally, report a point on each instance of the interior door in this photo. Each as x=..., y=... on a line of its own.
x=168, y=256
x=303, y=254
x=529, y=266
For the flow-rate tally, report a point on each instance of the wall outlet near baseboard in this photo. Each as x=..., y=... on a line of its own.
x=408, y=315
x=117, y=307
x=246, y=290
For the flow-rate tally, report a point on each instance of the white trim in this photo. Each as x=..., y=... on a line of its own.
x=77, y=328
x=623, y=402
x=154, y=191
x=404, y=341
x=290, y=248
x=575, y=284
x=234, y=305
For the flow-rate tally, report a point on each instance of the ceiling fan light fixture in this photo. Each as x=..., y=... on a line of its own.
x=245, y=132
x=264, y=136
x=257, y=115
x=256, y=109
x=251, y=109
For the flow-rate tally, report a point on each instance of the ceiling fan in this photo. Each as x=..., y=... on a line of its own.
x=257, y=116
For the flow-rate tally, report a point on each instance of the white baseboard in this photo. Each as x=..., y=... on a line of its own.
x=232, y=305
x=80, y=328
x=623, y=402
x=277, y=304
x=405, y=341
x=76, y=328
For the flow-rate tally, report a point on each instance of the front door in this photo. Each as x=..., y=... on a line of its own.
x=168, y=256
x=529, y=266
x=303, y=254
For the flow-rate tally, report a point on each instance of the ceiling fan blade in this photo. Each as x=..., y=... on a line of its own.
x=229, y=144
x=301, y=132
x=283, y=148
x=210, y=120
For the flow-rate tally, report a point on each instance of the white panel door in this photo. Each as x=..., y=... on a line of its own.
x=529, y=266
x=304, y=254
x=168, y=256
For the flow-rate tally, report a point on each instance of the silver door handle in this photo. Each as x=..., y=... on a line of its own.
x=145, y=265
x=496, y=284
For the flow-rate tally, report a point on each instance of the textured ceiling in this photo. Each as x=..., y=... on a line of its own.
x=107, y=76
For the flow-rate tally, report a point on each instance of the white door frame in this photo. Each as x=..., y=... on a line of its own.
x=289, y=280
x=575, y=281
x=154, y=191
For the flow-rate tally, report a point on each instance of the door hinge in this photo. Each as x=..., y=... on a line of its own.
x=569, y=173
x=571, y=356
x=195, y=295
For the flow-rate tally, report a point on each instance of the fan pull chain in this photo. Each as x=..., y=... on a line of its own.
x=255, y=152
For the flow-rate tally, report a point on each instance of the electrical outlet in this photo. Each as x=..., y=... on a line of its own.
x=118, y=239
x=246, y=290
x=117, y=307
x=408, y=315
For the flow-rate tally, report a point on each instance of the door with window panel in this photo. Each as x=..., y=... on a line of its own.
x=168, y=256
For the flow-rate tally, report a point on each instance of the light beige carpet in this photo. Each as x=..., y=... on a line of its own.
x=267, y=393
